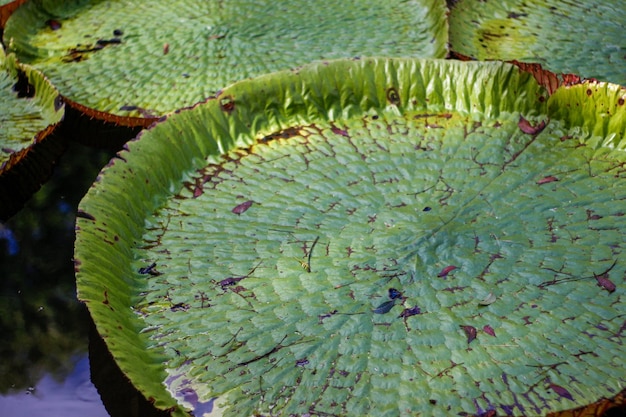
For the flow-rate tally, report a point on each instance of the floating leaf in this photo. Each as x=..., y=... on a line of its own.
x=546, y=180
x=384, y=307
x=30, y=111
x=562, y=392
x=526, y=127
x=470, y=332
x=445, y=271
x=410, y=311
x=489, y=330
x=606, y=283
x=199, y=47
x=393, y=293
x=348, y=151
x=241, y=208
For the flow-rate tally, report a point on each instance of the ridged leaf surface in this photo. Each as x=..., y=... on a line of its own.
x=30, y=105
x=368, y=237
x=147, y=58
x=578, y=37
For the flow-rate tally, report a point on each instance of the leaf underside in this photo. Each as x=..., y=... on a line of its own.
x=283, y=307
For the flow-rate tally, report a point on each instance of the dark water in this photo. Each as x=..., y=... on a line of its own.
x=44, y=370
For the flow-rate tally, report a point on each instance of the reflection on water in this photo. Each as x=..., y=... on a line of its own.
x=70, y=396
x=44, y=329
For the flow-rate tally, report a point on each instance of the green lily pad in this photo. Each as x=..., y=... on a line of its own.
x=148, y=58
x=7, y=7
x=316, y=242
x=31, y=110
x=584, y=38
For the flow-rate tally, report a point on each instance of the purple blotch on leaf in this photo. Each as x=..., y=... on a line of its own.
x=384, y=307
x=445, y=271
x=408, y=312
x=241, y=208
x=561, y=391
x=470, y=332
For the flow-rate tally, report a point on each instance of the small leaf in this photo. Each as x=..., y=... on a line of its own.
x=241, y=208
x=489, y=330
x=302, y=362
x=408, y=312
x=527, y=128
x=546, y=180
x=393, y=293
x=489, y=299
x=561, y=391
x=384, y=307
x=605, y=282
x=445, y=271
x=470, y=332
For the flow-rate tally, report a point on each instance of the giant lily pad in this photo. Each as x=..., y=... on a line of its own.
x=30, y=110
x=368, y=237
x=102, y=56
x=583, y=37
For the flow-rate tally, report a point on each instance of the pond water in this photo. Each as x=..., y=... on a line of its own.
x=57, y=395
x=44, y=348
x=48, y=363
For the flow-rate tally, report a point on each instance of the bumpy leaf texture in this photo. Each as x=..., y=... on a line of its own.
x=340, y=170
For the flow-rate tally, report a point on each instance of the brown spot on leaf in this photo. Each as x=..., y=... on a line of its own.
x=241, y=208
x=53, y=24
x=227, y=104
x=529, y=129
x=562, y=392
x=408, y=312
x=392, y=96
x=513, y=15
x=470, y=332
x=592, y=216
x=489, y=330
x=605, y=282
x=445, y=271
x=339, y=131
x=546, y=180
